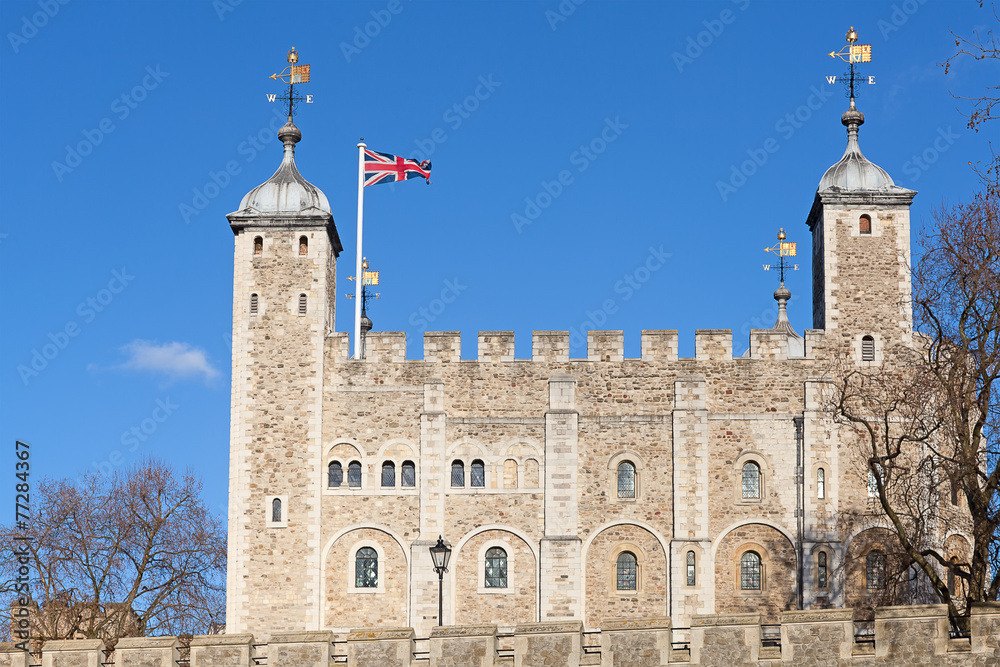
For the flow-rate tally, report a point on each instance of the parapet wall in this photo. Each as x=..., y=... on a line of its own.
x=553, y=346
x=912, y=636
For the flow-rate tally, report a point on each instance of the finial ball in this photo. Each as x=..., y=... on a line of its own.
x=781, y=234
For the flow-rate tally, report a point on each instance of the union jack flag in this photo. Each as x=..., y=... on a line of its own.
x=385, y=168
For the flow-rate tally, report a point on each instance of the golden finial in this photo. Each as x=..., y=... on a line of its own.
x=293, y=56
x=783, y=249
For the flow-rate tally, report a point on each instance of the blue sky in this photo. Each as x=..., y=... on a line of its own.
x=576, y=146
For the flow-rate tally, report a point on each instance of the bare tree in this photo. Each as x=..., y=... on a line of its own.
x=981, y=46
x=134, y=554
x=928, y=417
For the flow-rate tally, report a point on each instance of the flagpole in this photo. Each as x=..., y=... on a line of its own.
x=359, y=277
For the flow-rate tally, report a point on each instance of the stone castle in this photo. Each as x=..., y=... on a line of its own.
x=594, y=491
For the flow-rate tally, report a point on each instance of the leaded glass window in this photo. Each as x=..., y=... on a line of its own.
x=457, y=473
x=821, y=567
x=690, y=568
x=366, y=568
x=626, y=479
x=478, y=476
x=409, y=476
x=626, y=571
x=875, y=571
x=334, y=474
x=276, y=510
x=388, y=474
x=750, y=571
x=751, y=481
x=354, y=475
x=496, y=568
x=821, y=484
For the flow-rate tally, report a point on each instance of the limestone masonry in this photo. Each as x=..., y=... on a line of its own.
x=599, y=493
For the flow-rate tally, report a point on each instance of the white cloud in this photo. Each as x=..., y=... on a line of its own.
x=177, y=360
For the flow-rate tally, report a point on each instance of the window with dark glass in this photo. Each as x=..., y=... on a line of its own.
x=334, y=474
x=457, y=473
x=366, y=568
x=496, y=568
x=354, y=474
x=388, y=474
x=690, y=569
x=626, y=479
x=276, y=510
x=865, y=224
x=258, y=246
x=750, y=571
x=478, y=476
x=303, y=245
x=409, y=476
x=821, y=571
x=751, y=481
x=875, y=571
x=627, y=571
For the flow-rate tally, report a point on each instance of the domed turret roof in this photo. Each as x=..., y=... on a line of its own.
x=286, y=192
x=854, y=171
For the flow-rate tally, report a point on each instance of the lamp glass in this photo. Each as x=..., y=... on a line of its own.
x=440, y=554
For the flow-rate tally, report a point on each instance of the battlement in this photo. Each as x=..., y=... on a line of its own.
x=553, y=346
x=915, y=636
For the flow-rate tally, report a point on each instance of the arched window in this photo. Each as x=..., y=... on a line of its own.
x=626, y=571
x=334, y=474
x=626, y=479
x=258, y=246
x=302, y=304
x=510, y=474
x=751, y=481
x=366, y=568
x=875, y=571
x=821, y=571
x=354, y=474
x=388, y=473
x=531, y=474
x=409, y=476
x=276, y=510
x=750, y=571
x=253, y=304
x=303, y=245
x=496, y=568
x=820, y=483
x=457, y=473
x=691, y=576
x=865, y=224
x=867, y=349
x=478, y=476
x=952, y=579
x=873, y=481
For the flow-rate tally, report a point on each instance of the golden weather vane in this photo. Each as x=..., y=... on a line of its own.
x=852, y=54
x=292, y=75
x=370, y=278
x=783, y=249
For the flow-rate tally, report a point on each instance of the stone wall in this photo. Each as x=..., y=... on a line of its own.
x=912, y=636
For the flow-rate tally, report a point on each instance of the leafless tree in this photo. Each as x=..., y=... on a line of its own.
x=982, y=45
x=928, y=417
x=137, y=553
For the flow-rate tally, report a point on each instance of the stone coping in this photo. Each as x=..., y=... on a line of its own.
x=379, y=634
x=651, y=623
x=464, y=631
x=913, y=612
x=221, y=640
x=73, y=645
x=550, y=628
x=306, y=637
x=817, y=616
x=146, y=642
x=724, y=619
x=10, y=647
x=984, y=608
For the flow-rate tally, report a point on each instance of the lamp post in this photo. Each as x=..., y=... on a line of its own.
x=440, y=554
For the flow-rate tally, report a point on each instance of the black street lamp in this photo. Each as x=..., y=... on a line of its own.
x=440, y=554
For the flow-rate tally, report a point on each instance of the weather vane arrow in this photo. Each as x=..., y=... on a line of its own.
x=292, y=75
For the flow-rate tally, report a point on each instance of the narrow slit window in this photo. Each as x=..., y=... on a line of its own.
x=510, y=474
x=303, y=246
x=627, y=571
x=366, y=568
x=496, y=568
x=867, y=349
x=388, y=474
x=865, y=224
x=626, y=479
x=821, y=571
x=302, y=304
x=457, y=473
x=354, y=474
x=276, y=510
x=258, y=246
x=334, y=474
x=691, y=576
x=750, y=571
x=821, y=483
x=478, y=476
x=253, y=304
x=408, y=478
x=751, y=481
